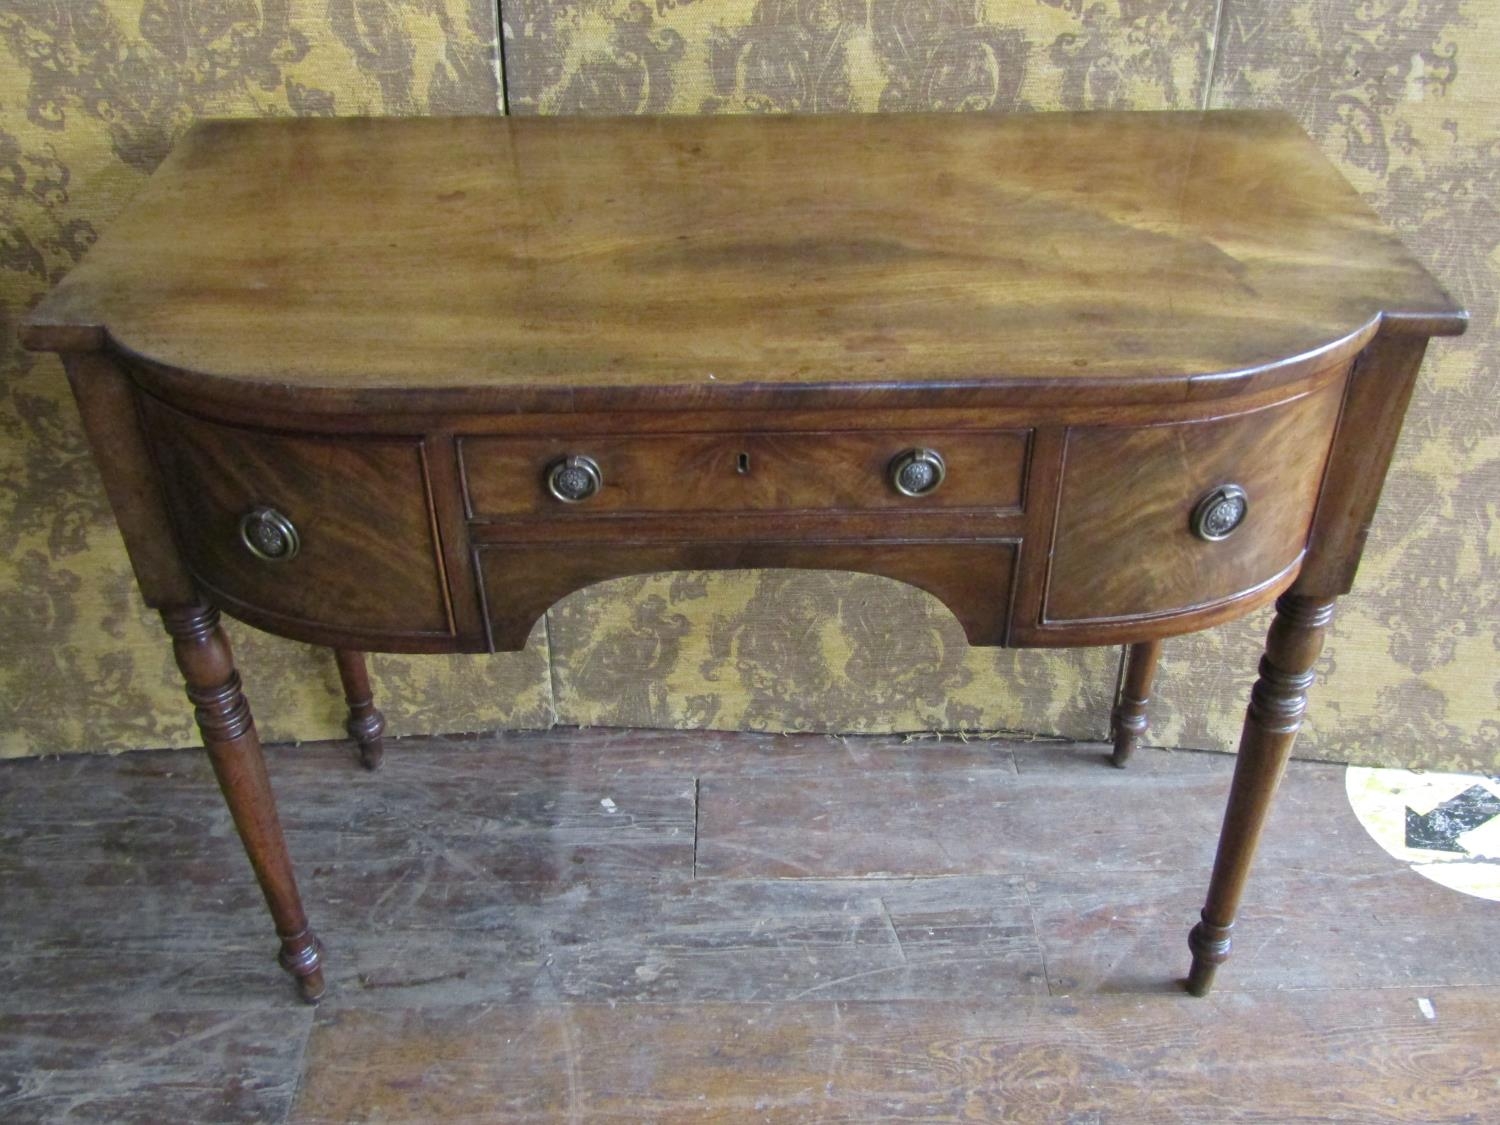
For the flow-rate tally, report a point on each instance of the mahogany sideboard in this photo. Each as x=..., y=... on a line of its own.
x=399, y=385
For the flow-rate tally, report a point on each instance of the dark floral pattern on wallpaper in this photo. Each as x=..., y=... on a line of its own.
x=806, y=650
x=624, y=67
x=1117, y=51
x=92, y=95
x=946, y=57
x=831, y=56
x=1414, y=662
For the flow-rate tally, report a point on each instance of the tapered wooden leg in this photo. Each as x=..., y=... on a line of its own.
x=213, y=685
x=1128, y=723
x=1271, y=722
x=366, y=725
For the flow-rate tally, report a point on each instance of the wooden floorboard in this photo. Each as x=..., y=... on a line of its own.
x=664, y=926
x=1060, y=813
x=151, y=1067
x=1351, y=1056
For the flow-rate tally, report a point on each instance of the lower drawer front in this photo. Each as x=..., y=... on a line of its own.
x=973, y=578
x=1126, y=544
x=366, y=554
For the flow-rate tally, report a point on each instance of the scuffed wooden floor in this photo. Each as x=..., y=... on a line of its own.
x=656, y=926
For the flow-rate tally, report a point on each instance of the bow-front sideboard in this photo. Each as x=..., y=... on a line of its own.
x=399, y=385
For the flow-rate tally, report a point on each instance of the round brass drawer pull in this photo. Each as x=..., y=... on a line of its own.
x=1220, y=512
x=918, y=472
x=574, y=478
x=269, y=535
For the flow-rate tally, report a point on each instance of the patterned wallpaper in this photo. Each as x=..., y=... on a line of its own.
x=1405, y=96
x=92, y=94
x=1403, y=93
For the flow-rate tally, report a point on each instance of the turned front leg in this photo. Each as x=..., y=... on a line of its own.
x=366, y=725
x=1271, y=722
x=203, y=655
x=1128, y=723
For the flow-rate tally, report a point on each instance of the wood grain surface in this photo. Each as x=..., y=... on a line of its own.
x=507, y=947
x=712, y=259
x=971, y=576
x=368, y=559
x=723, y=473
x=1362, y=1057
x=1124, y=546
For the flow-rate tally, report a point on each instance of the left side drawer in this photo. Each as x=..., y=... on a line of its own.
x=340, y=533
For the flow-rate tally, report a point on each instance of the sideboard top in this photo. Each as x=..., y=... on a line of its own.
x=713, y=258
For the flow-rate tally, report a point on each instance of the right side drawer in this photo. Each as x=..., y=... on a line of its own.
x=1136, y=533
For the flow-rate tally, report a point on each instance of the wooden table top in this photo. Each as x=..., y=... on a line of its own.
x=713, y=259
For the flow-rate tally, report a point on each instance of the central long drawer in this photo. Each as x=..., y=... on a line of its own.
x=506, y=477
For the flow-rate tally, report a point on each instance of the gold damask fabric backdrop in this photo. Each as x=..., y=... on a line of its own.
x=1402, y=93
x=92, y=95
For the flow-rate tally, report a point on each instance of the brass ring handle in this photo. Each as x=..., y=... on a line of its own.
x=574, y=478
x=269, y=535
x=1220, y=512
x=917, y=472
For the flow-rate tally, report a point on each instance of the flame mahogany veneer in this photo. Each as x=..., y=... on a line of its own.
x=1158, y=363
